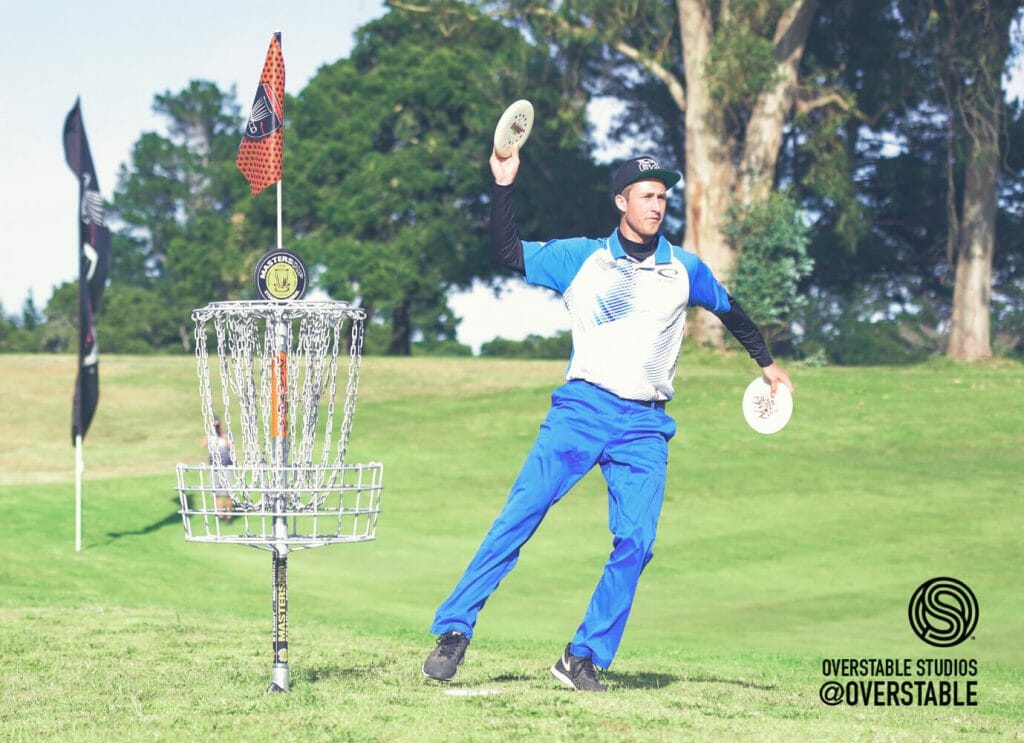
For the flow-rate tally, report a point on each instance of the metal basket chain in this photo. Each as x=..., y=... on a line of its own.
x=225, y=402
x=355, y=354
x=264, y=379
x=333, y=394
x=223, y=474
x=205, y=395
x=237, y=377
x=352, y=388
x=225, y=382
x=312, y=344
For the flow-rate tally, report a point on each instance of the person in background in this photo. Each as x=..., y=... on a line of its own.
x=220, y=455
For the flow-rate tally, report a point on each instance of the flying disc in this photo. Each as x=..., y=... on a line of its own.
x=513, y=127
x=764, y=412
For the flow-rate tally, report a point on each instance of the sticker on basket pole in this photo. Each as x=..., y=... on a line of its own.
x=280, y=276
x=280, y=609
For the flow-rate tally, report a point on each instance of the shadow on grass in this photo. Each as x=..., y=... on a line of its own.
x=661, y=680
x=173, y=518
x=333, y=673
x=511, y=677
x=641, y=680
x=734, y=682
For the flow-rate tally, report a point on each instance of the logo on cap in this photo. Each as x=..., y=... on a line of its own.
x=647, y=163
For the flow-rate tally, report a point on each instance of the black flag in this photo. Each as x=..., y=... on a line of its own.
x=93, y=267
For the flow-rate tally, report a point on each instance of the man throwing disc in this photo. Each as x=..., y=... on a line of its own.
x=627, y=296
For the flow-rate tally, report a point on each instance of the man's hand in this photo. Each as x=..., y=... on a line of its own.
x=505, y=168
x=774, y=375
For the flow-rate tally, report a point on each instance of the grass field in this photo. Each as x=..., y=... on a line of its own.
x=775, y=554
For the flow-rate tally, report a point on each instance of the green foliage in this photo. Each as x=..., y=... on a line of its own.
x=137, y=320
x=389, y=170
x=387, y=179
x=444, y=347
x=531, y=347
x=8, y=331
x=856, y=329
x=22, y=333
x=180, y=209
x=880, y=343
x=740, y=65
x=771, y=240
x=829, y=178
x=60, y=333
x=31, y=317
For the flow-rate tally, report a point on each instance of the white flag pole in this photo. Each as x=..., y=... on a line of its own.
x=79, y=468
x=279, y=239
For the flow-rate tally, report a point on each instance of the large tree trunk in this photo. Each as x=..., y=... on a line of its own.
x=981, y=34
x=710, y=174
x=772, y=108
x=714, y=168
x=970, y=333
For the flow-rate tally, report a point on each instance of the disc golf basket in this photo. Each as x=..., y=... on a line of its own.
x=269, y=373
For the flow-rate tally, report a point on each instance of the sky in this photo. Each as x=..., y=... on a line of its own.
x=116, y=55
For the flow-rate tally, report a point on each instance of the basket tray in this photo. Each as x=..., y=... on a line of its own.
x=318, y=504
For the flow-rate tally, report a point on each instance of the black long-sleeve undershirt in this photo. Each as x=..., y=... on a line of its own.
x=743, y=329
x=506, y=247
x=507, y=251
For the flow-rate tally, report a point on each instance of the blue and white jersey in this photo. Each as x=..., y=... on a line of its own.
x=628, y=316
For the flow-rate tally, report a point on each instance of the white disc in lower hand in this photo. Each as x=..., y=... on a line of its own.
x=764, y=412
x=513, y=127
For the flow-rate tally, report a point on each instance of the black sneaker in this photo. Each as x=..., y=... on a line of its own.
x=443, y=661
x=577, y=672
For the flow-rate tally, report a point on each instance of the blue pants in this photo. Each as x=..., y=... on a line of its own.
x=585, y=426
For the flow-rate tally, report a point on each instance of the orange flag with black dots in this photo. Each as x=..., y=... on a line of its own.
x=259, y=155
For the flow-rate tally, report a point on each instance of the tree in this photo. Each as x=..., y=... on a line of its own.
x=388, y=170
x=60, y=333
x=772, y=242
x=973, y=44
x=731, y=71
x=180, y=215
x=8, y=332
x=31, y=317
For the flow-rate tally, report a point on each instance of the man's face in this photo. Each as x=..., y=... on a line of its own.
x=643, y=208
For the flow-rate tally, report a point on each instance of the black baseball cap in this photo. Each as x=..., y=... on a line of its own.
x=642, y=168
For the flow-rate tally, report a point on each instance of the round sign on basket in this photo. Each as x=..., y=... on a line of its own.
x=764, y=412
x=513, y=127
x=280, y=276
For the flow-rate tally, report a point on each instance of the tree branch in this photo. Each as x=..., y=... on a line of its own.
x=673, y=83
x=835, y=98
x=410, y=8
x=675, y=87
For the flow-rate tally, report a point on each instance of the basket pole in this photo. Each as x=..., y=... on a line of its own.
x=279, y=434
x=279, y=672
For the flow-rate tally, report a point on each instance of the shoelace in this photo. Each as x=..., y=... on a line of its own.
x=448, y=644
x=587, y=670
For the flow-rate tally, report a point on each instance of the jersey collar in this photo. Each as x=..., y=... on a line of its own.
x=662, y=254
